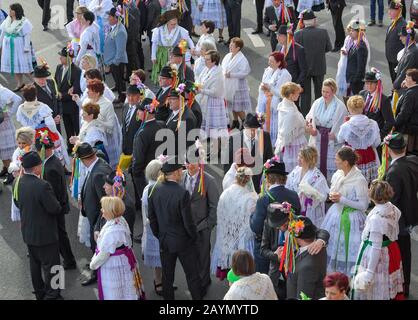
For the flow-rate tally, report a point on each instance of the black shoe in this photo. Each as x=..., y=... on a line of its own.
x=380, y=24
x=3, y=172
x=17, y=89
x=158, y=286
x=235, y=125
x=89, y=281
x=227, y=43
x=371, y=23
x=257, y=31
x=45, y=28
x=70, y=266
x=9, y=179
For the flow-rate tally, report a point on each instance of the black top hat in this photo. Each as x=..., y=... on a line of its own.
x=41, y=72
x=397, y=141
x=308, y=15
x=190, y=87
x=132, y=89
x=176, y=51
x=31, y=159
x=166, y=72
x=276, y=217
x=64, y=52
x=39, y=144
x=112, y=12
x=174, y=94
x=111, y=176
x=404, y=32
x=370, y=77
x=282, y=30
x=277, y=168
x=85, y=150
x=251, y=121
x=171, y=165
x=309, y=230
x=395, y=5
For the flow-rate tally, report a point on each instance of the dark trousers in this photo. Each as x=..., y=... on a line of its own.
x=259, y=7
x=404, y=242
x=41, y=260
x=273, y=41
x=46, y=14
x=373, y=9
x=203, y=246
x=338, y=27
x=190, y=266
x=70, y=10
x=392, y=72
x=233, y=17
x=306, y=97
x=139, y=183
x=186, y=22
x=72, y=125
x=262, y=264
x=135, y=56
x=118, y=75
x=64, y=242
x=280, y=288
x=356, y=87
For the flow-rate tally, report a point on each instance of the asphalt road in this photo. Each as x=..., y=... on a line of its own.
x=15, y=280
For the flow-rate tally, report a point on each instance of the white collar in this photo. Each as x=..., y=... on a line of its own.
x=175, y=113
x=149, y=120
x=89, y=169
x=30, y=174
x=48, y=158
x=194, y=176
x=302, y=249
x=393, y=160
x=275, y=185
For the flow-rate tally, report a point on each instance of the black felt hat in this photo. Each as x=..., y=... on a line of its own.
x=174, y=94
x=39, y=144
x=85, y=150
x=251, y=121
x=309, y=230
x=132, y=89
x=112, y=12
x=308, y=15
x=282, y=30
x=171, y=165
x=370, y=77
x=31, y=159
x=64, y=52
x=145, y=106
x=397, y=141
x=166, y=72
x=41, y=72
x=277, y=168
x=275, y=216
x=176, y=51
x=404, y=32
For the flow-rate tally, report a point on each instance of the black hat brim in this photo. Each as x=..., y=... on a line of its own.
x=92, y=153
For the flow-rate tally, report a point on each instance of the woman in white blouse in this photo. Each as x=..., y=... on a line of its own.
x=199, y=64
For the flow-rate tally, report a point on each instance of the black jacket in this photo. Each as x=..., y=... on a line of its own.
x=163, y=111
x=402, y=176
x=153, y=12
x=356, y=63
x=270, y=17
x=145, y=146
x=92, y=191
x=297, y=67
x=128, y=132
x=197, y=111
x=68, y=105
x=335, y=4
x=170, y=217
x=185, y=74
x=55, y=175
x=38, y=211
x=188, y=123
x=383, y=116
x=316, y=43
x=408, y=61
x=392, y=42
x=50, y=101
x=407, y=112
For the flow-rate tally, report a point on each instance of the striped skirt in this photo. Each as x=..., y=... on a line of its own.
x=7, y=140
x=242, y=100
x=214, y=10
x=215, y=120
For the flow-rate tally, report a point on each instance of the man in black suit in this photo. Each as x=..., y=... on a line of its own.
x=294, y=56
x=356, y=60
x=382, y=113
x=152, y=14
x=250, y=138
x=233, y=18
x=409, y=59
x=166, y=81
x=46, y=12
x=402, y=175
x=273, y=19
x=55, y=175
x=46, y=92
x=70, y=9
x=203, y=207
x=171, y=221
x=145, y=144
x=184, y=72
x=337, y=7
x=67, y=78
x=259, y=7
x=187, y=123
x=91, y=192
x=39, y=209
x=193, y=105
x=392, y=42
x=316, y=43
x=406, y=121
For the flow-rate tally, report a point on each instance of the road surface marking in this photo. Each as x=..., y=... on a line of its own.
x=255, y=38
x=52, y=46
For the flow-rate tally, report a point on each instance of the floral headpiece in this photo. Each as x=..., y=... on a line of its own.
x=43, y=64
x=162, y=158
x=296, y=227
x=269, y=162
x=183, y=46
x=389, y=137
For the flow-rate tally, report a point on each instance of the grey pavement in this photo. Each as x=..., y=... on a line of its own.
x=15, y=280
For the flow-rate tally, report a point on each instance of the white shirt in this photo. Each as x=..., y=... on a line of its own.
x=173, y=115
x=129, y=114
x=191, y=182
x=393, y=160
x=91, y=167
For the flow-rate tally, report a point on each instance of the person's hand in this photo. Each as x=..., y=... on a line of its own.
x=279, y=252
x=74, y=139
x=315, y=247
x=331, y=136
x=344, y=52
x=313, y=132
x=193, y=52
x=75, y=97
x=273, y=27
x=228, y=75
x=70, y=91
x=57, y=119
x=96, y=235
x=335, y=197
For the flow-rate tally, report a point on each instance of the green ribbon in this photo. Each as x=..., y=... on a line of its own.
x=366, y=243
x=12, y=37
x=345, y=226
x=163, y=54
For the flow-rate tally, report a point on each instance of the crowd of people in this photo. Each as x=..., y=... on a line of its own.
x=319, y=197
